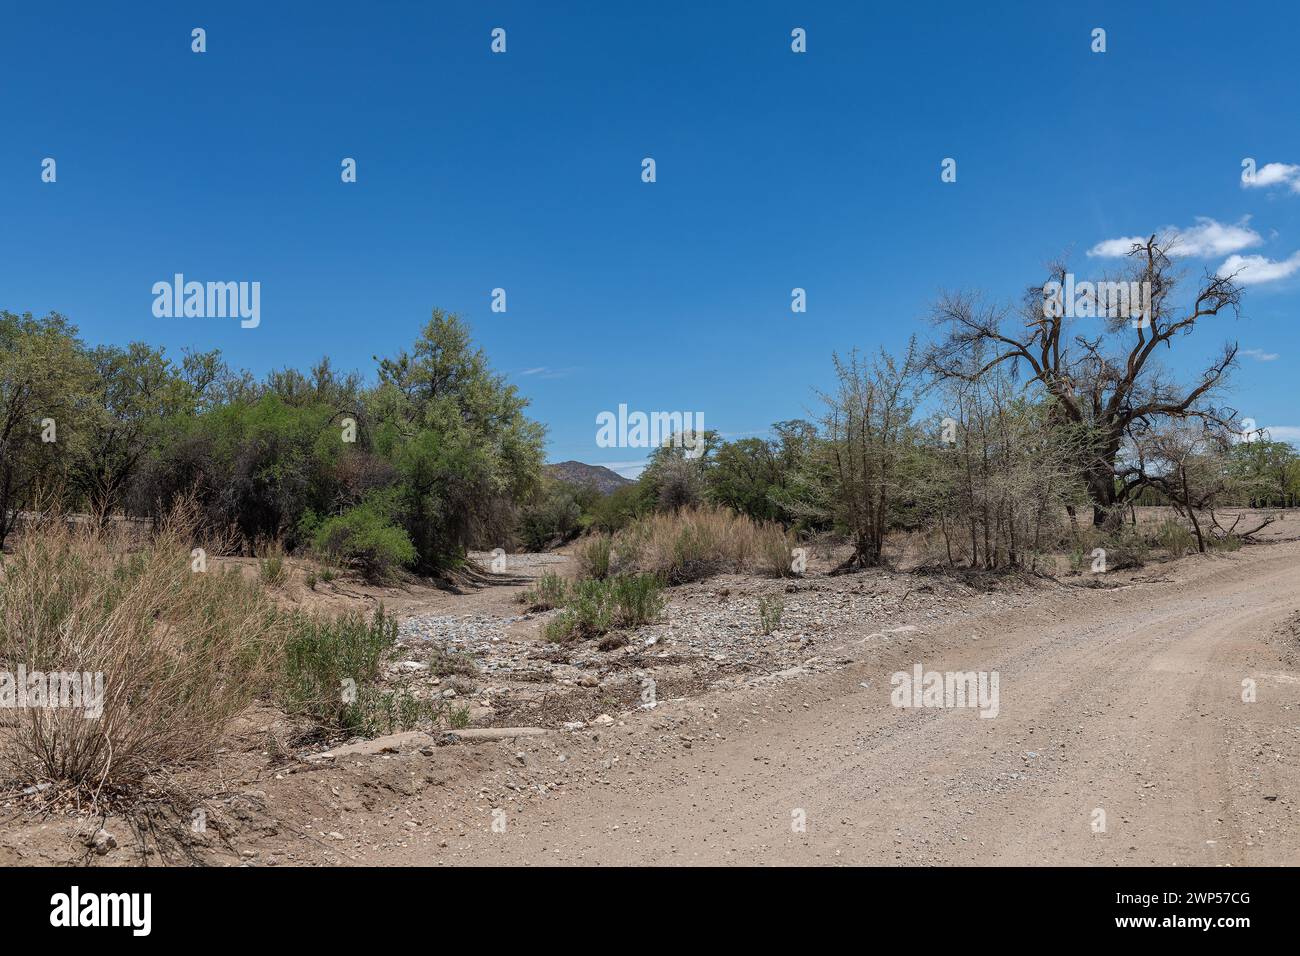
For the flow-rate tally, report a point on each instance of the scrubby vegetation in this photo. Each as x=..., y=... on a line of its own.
x=593, y=555
x=410, y=471
x=548, y=593
x=694, y=543
x=1004, y=445
x=365, y=537
x=166, y=651
x=331, y=665
x=178, y=652
x=592, y=607
x=770, y=609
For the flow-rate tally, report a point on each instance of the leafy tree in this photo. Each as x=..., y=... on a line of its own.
x=458, y=438
x=554, y=514
x=132, y=391
x=44, y=377
x=753, y=475
x=1267, y=471
x=618, y=509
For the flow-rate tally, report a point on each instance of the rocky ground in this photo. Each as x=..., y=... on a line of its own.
x=701, y=738
x=711, y=636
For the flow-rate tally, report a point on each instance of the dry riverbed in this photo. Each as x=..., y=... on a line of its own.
x=700, y=739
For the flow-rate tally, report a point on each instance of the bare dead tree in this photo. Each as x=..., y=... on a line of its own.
x=1189, y=463
x=1108, y=383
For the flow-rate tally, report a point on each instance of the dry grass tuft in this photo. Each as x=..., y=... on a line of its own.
x=180, y=651
x=693, y=544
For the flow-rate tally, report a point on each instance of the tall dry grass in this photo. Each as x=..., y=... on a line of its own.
x=181, y=652
x=693, y=544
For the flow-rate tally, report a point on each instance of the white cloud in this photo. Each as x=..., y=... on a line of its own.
x=1259, y=355
x=545, y=371
x=1286, y=433
x=1208, y=237
x=628, y=469
x=1273, y=174
x=1254, y=270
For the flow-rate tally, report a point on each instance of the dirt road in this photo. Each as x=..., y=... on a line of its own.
x=1126, y=703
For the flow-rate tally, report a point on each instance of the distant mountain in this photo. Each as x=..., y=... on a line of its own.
x=578, y=473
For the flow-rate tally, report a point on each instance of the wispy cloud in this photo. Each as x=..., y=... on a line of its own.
x=1272, y=174
x=1255, y=270
x=628, y=469
x=1286, y=433
x=544, y=371
x=1259, y=355
x=1208, y=237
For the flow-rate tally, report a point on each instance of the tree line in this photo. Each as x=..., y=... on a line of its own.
x=1018, y=430
x=409, y=470
x=1014, y=429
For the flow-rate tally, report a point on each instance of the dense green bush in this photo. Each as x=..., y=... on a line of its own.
x=440, y=435
x=366, y=538
x=551, y=519
x=324, y=654
x=331, y=665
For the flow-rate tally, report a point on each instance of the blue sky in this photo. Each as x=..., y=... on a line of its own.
x=522, y=171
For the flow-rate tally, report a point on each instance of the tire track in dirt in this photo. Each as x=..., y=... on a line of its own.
x=1128, y=701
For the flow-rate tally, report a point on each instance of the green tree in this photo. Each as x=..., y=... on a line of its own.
x=132, y=392
x=44, y=377
x=1268, y=471
x=465, y=454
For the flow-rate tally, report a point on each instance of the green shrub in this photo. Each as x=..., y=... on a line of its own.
x=770, y=609
x=592, y=606
x=548, y=593
x=331, y=665
x=367, y=538
x=592, y=556
x=391, y=711
x=1175, y=537
x=638, y=599
x=563, y=627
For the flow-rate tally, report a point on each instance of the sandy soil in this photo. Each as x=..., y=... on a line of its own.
x=1126, y=700
x=1124, y=697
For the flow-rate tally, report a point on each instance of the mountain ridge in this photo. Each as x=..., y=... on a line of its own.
x=574, y=472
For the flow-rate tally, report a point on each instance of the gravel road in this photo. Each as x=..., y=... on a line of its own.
x=1121, y=737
